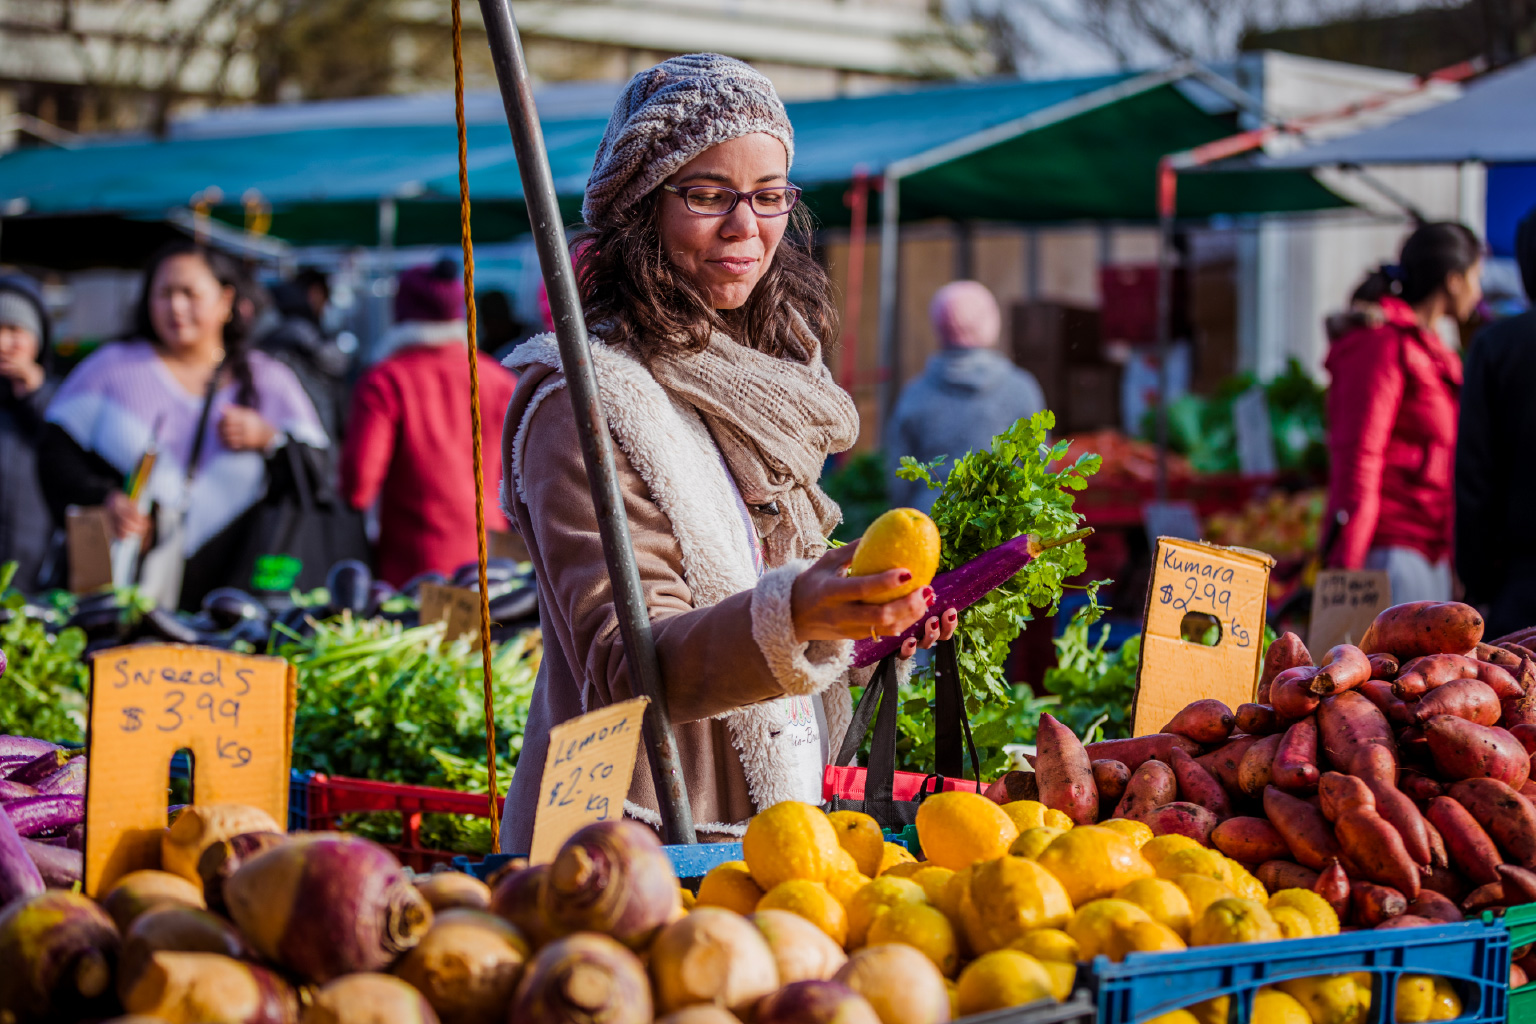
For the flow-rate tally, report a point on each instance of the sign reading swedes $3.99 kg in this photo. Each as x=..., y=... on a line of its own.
x=1200, y=593
x=233, y=712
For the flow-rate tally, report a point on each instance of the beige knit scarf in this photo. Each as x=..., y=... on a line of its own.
x=775, y=420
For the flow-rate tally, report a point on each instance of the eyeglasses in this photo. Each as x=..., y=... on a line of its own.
x=717, y=200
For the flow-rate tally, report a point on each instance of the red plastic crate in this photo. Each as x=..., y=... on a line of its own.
x=331, y=797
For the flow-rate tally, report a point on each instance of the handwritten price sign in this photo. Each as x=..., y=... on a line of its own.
x=233, y=712
x=586, y=774
x=1214, y=588
x=1344, y=603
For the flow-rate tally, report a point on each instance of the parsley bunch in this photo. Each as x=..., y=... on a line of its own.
x=991, y=497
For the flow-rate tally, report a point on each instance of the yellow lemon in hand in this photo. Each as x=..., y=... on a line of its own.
x=902, y=538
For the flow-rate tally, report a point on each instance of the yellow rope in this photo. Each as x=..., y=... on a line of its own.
x=474, y=415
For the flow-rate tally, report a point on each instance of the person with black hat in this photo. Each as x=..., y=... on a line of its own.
x=25, y=390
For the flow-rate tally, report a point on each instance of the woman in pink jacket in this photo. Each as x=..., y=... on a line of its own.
x=1392, y=409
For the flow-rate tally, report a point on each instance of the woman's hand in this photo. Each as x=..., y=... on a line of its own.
x=243, y=429
x=828, y=605
x=126, y=518
x=938, y=627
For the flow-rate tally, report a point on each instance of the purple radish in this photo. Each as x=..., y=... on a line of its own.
x=19, y=877
x=67, y=781
x=14, y=791
x=964, y=585
x=35, y=815
x=60, y=868
x=40, y=767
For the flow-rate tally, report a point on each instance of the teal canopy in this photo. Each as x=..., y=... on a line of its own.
x=1035, y=151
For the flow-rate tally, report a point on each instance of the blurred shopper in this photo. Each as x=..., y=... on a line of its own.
x=25, y=390
x=1392, y=408
x=294, y=337
x=1495, y=547
x=967, y=394
x=187, y=384
x=408, y=443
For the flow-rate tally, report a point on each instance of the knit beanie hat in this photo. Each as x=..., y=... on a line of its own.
x=21, y=305
x=668, y=115
x=429, y=294
x=965, y=315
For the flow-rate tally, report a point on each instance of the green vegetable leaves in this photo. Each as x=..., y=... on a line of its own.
x=991, y=497
x=1095, y=687
x=43, y=690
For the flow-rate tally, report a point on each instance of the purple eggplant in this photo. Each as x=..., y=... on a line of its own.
x=19, y=877
x=40, y=767
x=35, y=815
x=14, y=791
x=24, y=747
x=75, y=838
x=59, y=866
x=67, y=781
x=964, y=585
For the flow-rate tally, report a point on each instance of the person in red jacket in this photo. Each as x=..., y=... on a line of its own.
x=1392, y=408
x=408, y=436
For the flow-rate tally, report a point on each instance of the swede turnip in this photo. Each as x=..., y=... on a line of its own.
x=448, y=890
x=518, y=898
x=175, y=930
x=369, y=999
x=580, y=979
x=223, y=858
x=206, y=988
x=139, y=891
x=712, y=955
x=612, y=877
x=467, y=966
x=802, y=951
x=327, y=905
x=57, y=950
x=200, y=826
x=816, y=1002
x=900, y=983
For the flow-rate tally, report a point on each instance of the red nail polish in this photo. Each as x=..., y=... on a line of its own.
x=905, y=576
x=928, y=595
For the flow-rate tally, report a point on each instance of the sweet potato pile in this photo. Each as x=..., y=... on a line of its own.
x=1393, y=778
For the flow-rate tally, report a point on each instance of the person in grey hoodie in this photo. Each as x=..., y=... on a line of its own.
x=26, y=387
x=967, y=394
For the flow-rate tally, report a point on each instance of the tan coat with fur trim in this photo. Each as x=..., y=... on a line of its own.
x=724, y=636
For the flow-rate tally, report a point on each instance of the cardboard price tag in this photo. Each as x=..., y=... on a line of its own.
x=458, y=606
x=88, y=535
x=586, y=774
x=234, y=712
x=1211, y=586
x=1344, y=603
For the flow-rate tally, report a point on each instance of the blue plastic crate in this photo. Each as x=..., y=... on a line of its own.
x=298, y=800
x=1078, y=1009
x=688, y=861
x=1472, y=954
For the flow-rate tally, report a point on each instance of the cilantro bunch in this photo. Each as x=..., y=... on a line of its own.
x=991, y=497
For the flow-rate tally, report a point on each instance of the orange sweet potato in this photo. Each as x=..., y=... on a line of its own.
x=1375, y=766
x=1376, y=849
x=1337, y=793
x=1466, y=750
x=1501, y=680
x=1371, y=904
x=1384, y=666
x=1133, y=751
x=1421, y=789
x=1434, y=906
x=1151, y=786
x=1448, y=882
x=1518, y=883
x=1110, y=778
x=1438, y=858
x=1289, y=695
x=1207, y=722
x=1508, y=817
x=1011, y=786
x=1294, y=768
x=1379, y=692
x=1497, y=656
x=1250, y=840
x=1225, y=760
x=1256, y=719
x=1471, y=699
x=1484, y=897
x=1199, y=786
x=1404, y=921
x=1181, y=818
x=1258, y=764
x=1526, y=734
x=1421, y=675
x=1064, y=772
x=1424, y=627
x=1344, y=668
x=1284, y=874
x=1305, y=831
x=1333, y=885
x=1286, y=652
x=1346, y=724
x=1515, y=711
x=1471, y=850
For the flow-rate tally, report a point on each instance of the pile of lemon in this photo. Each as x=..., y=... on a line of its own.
x=1012, y=897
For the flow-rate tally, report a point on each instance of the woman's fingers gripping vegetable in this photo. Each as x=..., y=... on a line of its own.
x=825, y=604
x=938, y=627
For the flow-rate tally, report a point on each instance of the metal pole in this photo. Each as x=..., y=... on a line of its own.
x=1167, y=184
x=890, y=255
x=591, y=424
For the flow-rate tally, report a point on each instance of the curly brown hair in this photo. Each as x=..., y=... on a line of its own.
x=635, y=298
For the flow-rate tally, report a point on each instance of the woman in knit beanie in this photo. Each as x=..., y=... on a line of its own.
x=707, y=315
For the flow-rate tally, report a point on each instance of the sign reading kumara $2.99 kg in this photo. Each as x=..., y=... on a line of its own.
x=1203, y=633
x=232, y=712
